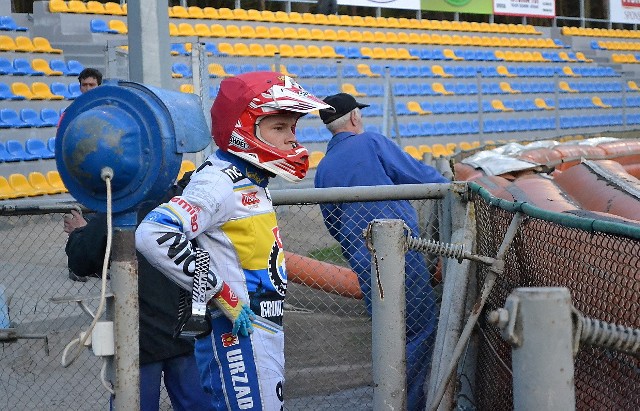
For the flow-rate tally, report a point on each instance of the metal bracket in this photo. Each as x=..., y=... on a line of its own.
x=81, y=301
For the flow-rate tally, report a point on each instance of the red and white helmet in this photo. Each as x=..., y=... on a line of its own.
x=243, y=101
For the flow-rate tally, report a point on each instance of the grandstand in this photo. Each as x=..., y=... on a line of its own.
x=454, y=84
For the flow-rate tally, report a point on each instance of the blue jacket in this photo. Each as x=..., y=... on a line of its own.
x=371, y=159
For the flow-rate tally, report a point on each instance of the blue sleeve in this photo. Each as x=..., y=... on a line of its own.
x=402, y=168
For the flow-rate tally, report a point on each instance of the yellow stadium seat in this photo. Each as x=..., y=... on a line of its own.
x=216, y=70
x=256, y=50
x=564, y=86
x=42, y=45
x=276, y=33
x=540, y=103
x=351, y=89
x=295, y=18
x=186, y=88
x=290, y=33
x=330, y=35
x=114, y=8
x=368, y=37
x=39, y=182
x=77, y=6
x=241, y=49
x=282, y=17
x=24, y=44
x=366, y=51
x=369, y=21
x=7, y=43
x=312, y=50
x=314, y=158
x=95, y=7
x=43, y=66
x=329, y=52
x=380, y=37
x=41, y=89
x=270, y=49
x=195, y=12
x=247, y=32
x=119, y=26
x=451, y=148
x=438, y=71
x=240, y=14
x=268, y=16
x=304, y=34
x=261, y=32
x=465, y=146
x=450, y=54
x=186, y=166
x=379, y=53
x=225, y=13
x=413, y=152
x=225, y=48
x=366, y=70
x=414, y=106
x=173, y=29
x=287, y=51
x=21, y=89
x=21, y=186
x=633, y=85
x=6, y=191
x=439, y=150
x=232, y=31
x=581, y=57
x=210, y=13
x=53, y=177
x=539, y=58
x=503, y=71
x=506, y=87
x=58, y=6
x=321, y=19
x=180, y=12
x=597, y=101
x=564, y=56
x=308, y=18
x=343, y=35
x=568, y=71
x=381, y=22
x=254, y=15
x=186, y=29
x=404, y=54
x=217, y=30
x=499, y=105
x=438, y=88
x=357, y=21
x=202, y=30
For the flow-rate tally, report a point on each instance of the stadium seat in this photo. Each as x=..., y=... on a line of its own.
x=74, y=67
x=42, y=45
x=59, y=66
x=119, y=26
x=16, y=149
x=7, y=43
x=10, y=117
x=9, y=24
x=76, y=6
x=39, y=183
x=101, y=27
x=21, y=186
x=37, y=148
x=181, y=69
x=24, y=45
x=43, y=92
x=49, y=117
x=6, y=191
x=31, y=118
x=42, y=65
x=53, y=178
x=216, y=70
x=74, y=90
x=6, y=67
x=114, y=8
x=22, y=67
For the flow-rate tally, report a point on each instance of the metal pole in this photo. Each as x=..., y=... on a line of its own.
x=388, y=315
x=124, y=283
x=556, y=101
x=339, y=73
x=386, y=130
x=540, y=329
x=624, y=104
x=200, y=87
x=480, y=110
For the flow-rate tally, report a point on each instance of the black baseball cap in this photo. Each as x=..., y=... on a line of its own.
x=343, y=103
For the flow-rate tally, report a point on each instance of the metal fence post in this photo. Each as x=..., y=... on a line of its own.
x=388, y=315
x=124, y=283
x=537, y=323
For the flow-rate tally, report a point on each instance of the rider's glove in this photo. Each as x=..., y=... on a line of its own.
x=235, y=310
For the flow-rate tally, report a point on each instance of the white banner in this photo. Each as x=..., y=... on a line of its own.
x=529, y=8
x=389, y=4
x=625, y=11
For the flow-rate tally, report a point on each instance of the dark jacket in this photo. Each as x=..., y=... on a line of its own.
x=158, y=295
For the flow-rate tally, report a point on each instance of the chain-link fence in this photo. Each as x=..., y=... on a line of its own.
x=328, y=334
x=602, y=271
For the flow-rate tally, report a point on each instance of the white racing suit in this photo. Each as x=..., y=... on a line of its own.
x=226, y=210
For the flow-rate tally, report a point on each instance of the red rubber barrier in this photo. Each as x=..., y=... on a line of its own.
x=322, y=276
x=541, y=192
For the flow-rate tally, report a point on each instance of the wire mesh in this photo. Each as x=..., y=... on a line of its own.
x=601, y=270
x=327, y=335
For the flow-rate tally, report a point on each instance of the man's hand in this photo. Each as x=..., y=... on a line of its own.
x=73, y=221
x=235, y=310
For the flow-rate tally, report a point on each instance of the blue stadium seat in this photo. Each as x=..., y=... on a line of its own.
x=453, y=128
x=247, y=68
x=101, y=27
x=372, y=128
x=5, y=155
x=74, y=67
x=402, y=110
x=414, y=129
x=10, y=117
x=400, y=89
x=426, y=90
x=374, y=110
x=413, y=71
x=425, y=71
x=450, y=107
x=74, y=90
x=376, y=90
x=185, y=71
x=179, y=49
x=439, y=128
x=212, y=49
x=308, y=135
x=399, y=71
x=319, y=90
x=324, y=135
x=59, y=65
x=15, y=148
x=437, y=54
x=7, y=94
x=325, y=71
x=351, y=71
x=462, y=107
x=31, y=117
x=466, y=127
x=7, y=23
x=37, y=147
x=426, y=129
x=22, y=67
x=6, y=67
x=460, y=88
x=61, y=89
x=233, y=69
x=50, y=117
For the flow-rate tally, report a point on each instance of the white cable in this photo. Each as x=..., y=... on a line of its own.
x=106, y=175
x=103, y=377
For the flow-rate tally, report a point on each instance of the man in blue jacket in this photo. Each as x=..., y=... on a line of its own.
x=358, y=158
